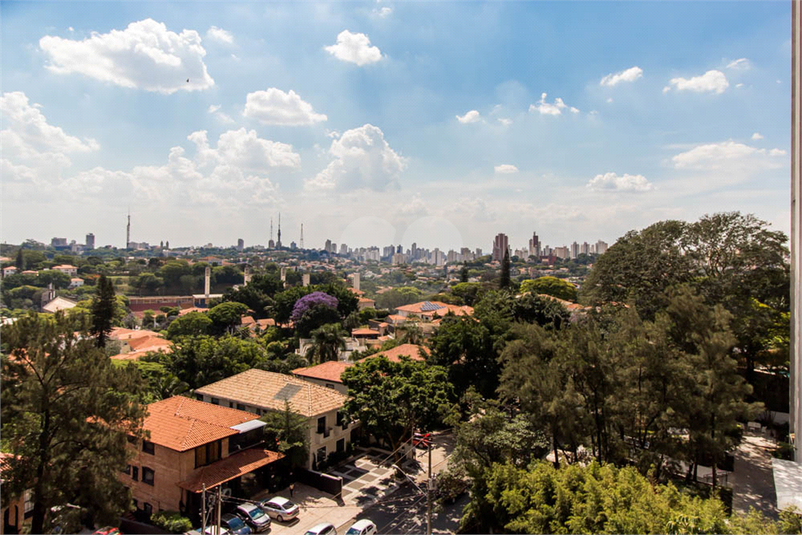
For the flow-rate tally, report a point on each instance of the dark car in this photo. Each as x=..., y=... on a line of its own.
x=254, y=517
x=235, y=525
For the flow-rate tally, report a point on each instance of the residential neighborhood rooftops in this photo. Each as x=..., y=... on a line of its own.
x=435, y=308
x=59, y=303
x=394, y=354
x=330, y=371
x=181, y=423
x=269, y=390
x=229, y=468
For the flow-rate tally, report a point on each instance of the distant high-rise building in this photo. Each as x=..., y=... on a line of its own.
x=343, y=249
x=562, y=252
x=293, y=245
x=584, y=248
x=128, y=232
x=399, y=249
x=90, y=241
x=478, y=252
x=413, y=251
x=574, y=250
x=534, y=245
x=327, y=246
x=167, y=244
x=240, y=244
x=601, y=247
x=501, y=245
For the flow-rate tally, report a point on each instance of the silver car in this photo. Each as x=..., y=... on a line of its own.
x=322, y=529
x=280, y=508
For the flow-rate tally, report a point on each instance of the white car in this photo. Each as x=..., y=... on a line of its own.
x=280, y=508
x=362, y=527
x=322, y=529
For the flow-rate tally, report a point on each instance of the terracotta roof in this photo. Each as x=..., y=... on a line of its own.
x=394, y=354
x=150, y=343
x=119, y=333
x=265, y=323
x=269, y=390
x=184, y=311
x=247, y=320
x=328, y=371
x=395, y=318
x=59, y=303
x=181, y=423
x=366, y=300
x=435, y=308
x=64, y=266
x=229, y=468
x=136, y=355
x=567, y=304
x=364, y=332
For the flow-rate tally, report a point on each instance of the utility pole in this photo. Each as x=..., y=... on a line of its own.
x=219, y=509
x=203, y=510
x=429, y=492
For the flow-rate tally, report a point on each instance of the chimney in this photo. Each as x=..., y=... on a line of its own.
x=305, y=279
x=207, y=282
x=356, y=281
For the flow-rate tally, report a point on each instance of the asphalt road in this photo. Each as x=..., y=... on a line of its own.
x=404, y=512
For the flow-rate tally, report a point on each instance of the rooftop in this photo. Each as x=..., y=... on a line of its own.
x=330, y=371
x=410, y=350
x=229, y=468
x=269, y=390
x=181, y=423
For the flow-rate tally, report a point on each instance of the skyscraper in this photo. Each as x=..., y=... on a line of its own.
x=90, y=241
x=240, y=244
x=501, y=245
x=574, y=250
x=534, y=245
x=128, y=232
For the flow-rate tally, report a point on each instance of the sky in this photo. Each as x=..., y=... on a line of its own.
x=371, y=123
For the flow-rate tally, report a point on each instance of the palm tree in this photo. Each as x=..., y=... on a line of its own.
x=327, y=342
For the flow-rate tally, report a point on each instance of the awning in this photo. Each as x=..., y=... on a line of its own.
x=248, y=426
x=231, y=467
x=787, y=483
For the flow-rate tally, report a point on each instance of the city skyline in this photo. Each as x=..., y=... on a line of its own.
x=435, y=136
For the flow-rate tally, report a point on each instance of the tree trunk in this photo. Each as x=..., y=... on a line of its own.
x=38, y=518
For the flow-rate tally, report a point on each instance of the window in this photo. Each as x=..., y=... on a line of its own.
x=329, y=385
x=321, y=455
x=135, y=473
x=208, y=453
x=341, y=445
x=215, y=401
x=147, y=508
x=321, y=424
x=147, y=475
x=148, y=447
x=231, y=404
x=28, y=497
x=199, y=397
x=342, y=420
x=240, y=406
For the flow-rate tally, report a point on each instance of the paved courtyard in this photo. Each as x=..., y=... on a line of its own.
x=752, y=481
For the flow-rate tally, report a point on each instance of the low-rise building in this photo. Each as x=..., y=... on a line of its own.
x=75, y=282
x=192, y=444
x=68, y=269
x=59, y=303
x=260, y=391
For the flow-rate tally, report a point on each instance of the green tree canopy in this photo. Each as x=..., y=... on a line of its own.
x=226, y=316
x=103, y=308
x=288, y=432
x=190, y=324
x=560, y=288
x=66, y=413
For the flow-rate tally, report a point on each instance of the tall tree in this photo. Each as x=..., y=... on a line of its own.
x=19, y=262
x=504, y=281
x=66, y=413
x=103, y=308
x=464, y=347
x=327, y=342
x=288, y=432
x=463, y=273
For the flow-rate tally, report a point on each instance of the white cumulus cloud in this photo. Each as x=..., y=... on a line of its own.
x=219, y=34
x=383, y=12
x=709, y=82
x=146, y=55
x=505, y=169
x=628, y=75
x=756, y=136
x=615, y=182
x=274, y=106
x=470, y=117
x=361, y=159
x=354, y=48
x=728, y=155
x=555, y=108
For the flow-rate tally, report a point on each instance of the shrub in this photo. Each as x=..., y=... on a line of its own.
x=171, y=521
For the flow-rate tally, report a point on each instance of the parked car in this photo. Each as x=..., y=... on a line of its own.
x=322, y=529
x=254, y=517
x=108, y=530
x=280, y=508
x=362, y=527
x=235, y=525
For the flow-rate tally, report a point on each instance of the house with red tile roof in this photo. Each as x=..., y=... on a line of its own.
x=136, y=343
x=192, y=444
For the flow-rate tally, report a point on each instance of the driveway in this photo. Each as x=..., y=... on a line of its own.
x=752, y=480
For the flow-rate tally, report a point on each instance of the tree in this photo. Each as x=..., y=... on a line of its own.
x=393, y=399
x=19, y=262
x=313, y=311
x=504, y=281
x=258, y=294
x=469, y=292
x=559, y=288
x=463, y=273
x=398, y=297
x=59, y=280
x=202, y=360
x=327, y=342
x=66, y=413
x=103, y=308
x=226, y=316
x=190, y=324
x=465, y=348
x=288, y=433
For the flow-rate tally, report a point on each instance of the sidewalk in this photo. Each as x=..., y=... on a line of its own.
x=752, y=481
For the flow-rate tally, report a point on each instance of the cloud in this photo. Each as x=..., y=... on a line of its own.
x=354, y=48
x=544, y=108
x=146, y=55
x=628, y=75
x=728, y=155
x=475, y=208
x=244, y=149
x=710, y=82
x=741, y=64
x=756, y=136
x=214, y=109
x=505, y=169
x=361, y=159
x=505, y=121
x=470, y=117
x=274, y=106
x=383, y=12
x=414, y=206
x=220, y=35
x=614, y=182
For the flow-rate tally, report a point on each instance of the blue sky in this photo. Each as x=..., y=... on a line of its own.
x=380, y=122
